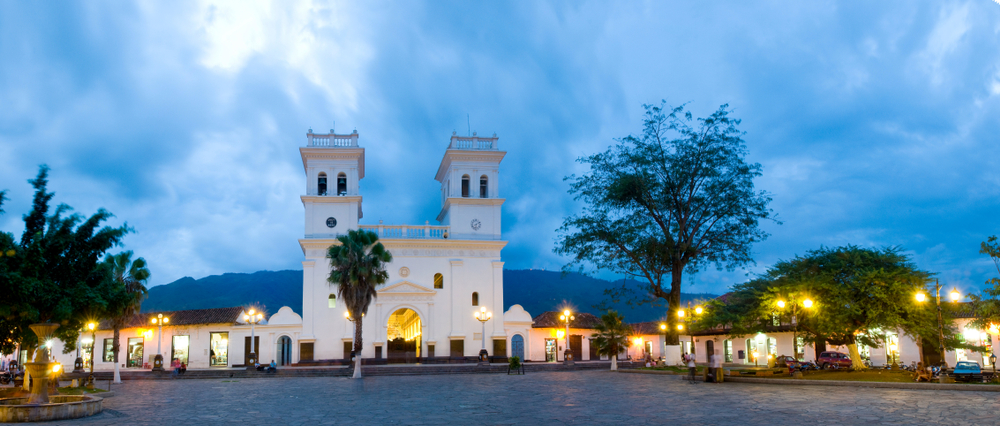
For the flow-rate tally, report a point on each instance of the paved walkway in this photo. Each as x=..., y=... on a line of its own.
x=595, y=397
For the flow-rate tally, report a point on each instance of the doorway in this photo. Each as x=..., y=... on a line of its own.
x=403, y=336
x=709, y=349
x=285, y=350
x=517, y=346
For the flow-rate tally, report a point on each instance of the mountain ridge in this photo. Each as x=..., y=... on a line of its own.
x=537, y=291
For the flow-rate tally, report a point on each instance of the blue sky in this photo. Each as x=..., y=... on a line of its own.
x=877, y=123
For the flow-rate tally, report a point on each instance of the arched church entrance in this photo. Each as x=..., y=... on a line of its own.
x=403, y=336
x=285, y=350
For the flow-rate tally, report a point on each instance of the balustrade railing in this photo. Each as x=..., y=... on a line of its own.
x=474, y=143
x=332, y=140
x=425, y=231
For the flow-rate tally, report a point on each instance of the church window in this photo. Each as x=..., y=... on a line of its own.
x=332, y=301
x=475, y=299
x=321, y=187
x=341, y=184
x=483, y=185
x=438, y=281
x=465, y=186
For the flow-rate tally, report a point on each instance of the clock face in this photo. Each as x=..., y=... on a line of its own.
x=476, y=224
x=331, y=222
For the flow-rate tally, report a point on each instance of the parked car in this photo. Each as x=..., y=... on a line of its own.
x=833, y=360
x=968, y=371
x=787, y=361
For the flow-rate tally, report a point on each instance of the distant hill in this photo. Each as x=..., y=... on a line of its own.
x=536, y=290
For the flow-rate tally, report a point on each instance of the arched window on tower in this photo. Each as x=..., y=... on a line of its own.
x=465, y=186
x=341, y=184
x=321, y=184
x=438, y=281
x=475, y=299
x=483, y=186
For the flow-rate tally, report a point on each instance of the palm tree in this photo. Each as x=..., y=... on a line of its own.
x=611, y=336
x=357, y=266
x=129, y=278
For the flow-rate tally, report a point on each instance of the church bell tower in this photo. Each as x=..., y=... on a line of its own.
x=334, y=164
x=470, y=195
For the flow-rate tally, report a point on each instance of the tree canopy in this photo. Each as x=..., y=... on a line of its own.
x=51, y=275
x=857, y=295
x=672, y=200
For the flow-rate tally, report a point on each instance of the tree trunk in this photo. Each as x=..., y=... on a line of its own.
x=819, y=346
x=857, y=364
x=114, y=349
x=357, y=347
x=614, y=363
x=673, y=305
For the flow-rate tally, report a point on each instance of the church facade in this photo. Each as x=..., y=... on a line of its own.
x=441, y=274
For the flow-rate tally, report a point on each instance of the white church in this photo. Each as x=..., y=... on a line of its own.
x=440, y=274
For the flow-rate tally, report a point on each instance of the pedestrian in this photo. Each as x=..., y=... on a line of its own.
x=692, y=368
x=717, y=367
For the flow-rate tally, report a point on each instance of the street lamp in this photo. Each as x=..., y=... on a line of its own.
x=955, y=296
x=92, y=326
x=683, y=317
x=806, y=303
x=158, y=321
x=566, y=317
x=252, y=317
x=482, y=315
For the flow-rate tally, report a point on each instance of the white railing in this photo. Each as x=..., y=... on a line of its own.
x=332, y=140
x=425, y=231
x=474, y=143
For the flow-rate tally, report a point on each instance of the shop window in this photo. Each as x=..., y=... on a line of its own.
x=87, y=352
x=475, y=299
x=321, y=184
x=218, y=352
x=134, y=352
x=727, y=347
x=179, y=348
x=109, y=350
x=772, y=346
x=341, y=184
x=332, y=301
x=483, y=186
x=465, y=186
x=438, y=281
x=800, y=347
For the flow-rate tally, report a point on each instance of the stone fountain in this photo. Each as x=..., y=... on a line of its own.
x=38, y=406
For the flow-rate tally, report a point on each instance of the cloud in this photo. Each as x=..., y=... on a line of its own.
x=875, y=123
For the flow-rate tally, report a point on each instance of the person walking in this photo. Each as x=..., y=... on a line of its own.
x=692, y=368
x=716, y=364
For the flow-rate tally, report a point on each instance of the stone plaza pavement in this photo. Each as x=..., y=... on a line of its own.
x=584, y=397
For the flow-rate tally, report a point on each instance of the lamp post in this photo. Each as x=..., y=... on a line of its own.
x=92, y=326
x=806, y=303
x=955, y=295
x=252, y=317
x=566, y=317
x=683, y=317
x=482, y=315
x=158, y=321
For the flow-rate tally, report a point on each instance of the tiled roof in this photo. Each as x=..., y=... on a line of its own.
x=551, y=319
x=189, y=317
x=646, y=328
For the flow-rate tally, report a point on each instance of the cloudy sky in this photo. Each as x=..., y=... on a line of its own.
x=877, y=123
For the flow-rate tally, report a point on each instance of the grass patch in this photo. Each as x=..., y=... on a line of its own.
x=855, y=376
x=79, y=390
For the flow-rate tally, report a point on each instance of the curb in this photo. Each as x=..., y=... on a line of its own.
x=840, y=383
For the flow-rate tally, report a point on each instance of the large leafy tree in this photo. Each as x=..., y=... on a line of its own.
x=858, y=294
x=127, y=288
x=357, y=268
x=674, y=199
x=611, y=336
x=51, y=275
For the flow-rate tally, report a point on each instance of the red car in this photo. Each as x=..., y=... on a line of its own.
x=833, y=360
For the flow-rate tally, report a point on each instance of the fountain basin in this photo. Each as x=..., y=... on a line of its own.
x=60, y=407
